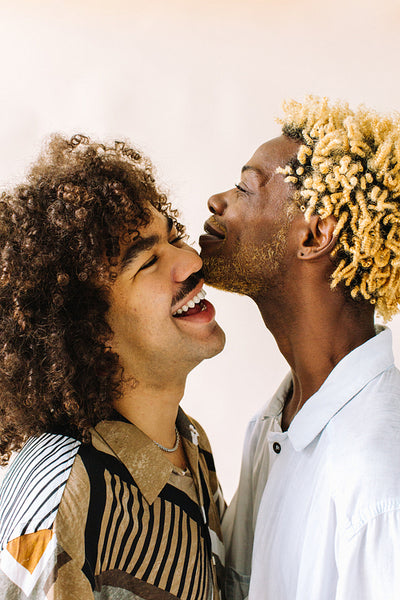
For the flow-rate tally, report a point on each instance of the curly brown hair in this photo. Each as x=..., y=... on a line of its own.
x=59, y=238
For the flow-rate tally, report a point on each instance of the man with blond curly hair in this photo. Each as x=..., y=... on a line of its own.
x=312, y=234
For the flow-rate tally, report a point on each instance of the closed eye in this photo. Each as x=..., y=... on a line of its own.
x=149, y=263
x=240, y=189
x=154, y=259
x=177, y=239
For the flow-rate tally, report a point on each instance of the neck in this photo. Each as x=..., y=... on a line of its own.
x=314, y=328
x=153, y=409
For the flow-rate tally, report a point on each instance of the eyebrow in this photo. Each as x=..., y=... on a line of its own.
x=142, y=244
x=249, y=168
x=264, y=176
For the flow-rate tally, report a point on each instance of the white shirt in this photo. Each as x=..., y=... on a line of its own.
x=322, y=510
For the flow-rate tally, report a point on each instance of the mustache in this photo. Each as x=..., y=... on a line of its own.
x=188, y=286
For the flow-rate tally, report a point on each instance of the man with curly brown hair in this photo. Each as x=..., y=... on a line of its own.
x=113, y=491
x=312, y=234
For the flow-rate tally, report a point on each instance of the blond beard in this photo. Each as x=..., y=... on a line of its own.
x=251, y=269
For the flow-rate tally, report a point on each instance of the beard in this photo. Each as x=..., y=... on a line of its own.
x=250, y=269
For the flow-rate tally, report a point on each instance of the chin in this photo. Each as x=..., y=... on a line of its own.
x=217, y=271
x=216, y=344
x=221, y=342
x=230, y=277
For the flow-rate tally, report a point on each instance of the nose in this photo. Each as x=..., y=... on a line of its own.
x=186, y=262
x=217, y=204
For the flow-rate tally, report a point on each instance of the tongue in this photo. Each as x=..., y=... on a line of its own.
x=191, y=311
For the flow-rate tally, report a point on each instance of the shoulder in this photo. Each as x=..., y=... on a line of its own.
x=370, y=421
x=33, y=486
x=364, y=445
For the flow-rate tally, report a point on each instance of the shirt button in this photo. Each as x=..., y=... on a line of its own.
x=276, y=447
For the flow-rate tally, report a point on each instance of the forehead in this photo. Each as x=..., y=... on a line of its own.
x=158, y=226
x=272, y=154
x=158, y=222
x=130, y=245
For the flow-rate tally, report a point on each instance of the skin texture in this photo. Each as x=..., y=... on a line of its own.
x=313, y=325
x=155, y=349
x=255, y=217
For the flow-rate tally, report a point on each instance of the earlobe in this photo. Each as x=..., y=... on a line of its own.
x=317, y=238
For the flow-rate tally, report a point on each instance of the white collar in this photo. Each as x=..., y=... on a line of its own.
x=348, y=377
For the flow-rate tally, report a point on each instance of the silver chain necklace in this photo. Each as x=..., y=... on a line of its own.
x=177, y=440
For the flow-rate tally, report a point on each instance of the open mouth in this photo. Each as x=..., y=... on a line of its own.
x=193, y=306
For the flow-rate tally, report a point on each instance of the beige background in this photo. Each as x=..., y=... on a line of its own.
x=197, y=86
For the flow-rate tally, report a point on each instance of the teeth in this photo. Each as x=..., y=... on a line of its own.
x=192, y=303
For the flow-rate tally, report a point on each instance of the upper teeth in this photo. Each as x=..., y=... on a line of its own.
x=191, y=303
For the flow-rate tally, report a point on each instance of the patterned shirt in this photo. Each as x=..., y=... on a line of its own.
x=111, y=519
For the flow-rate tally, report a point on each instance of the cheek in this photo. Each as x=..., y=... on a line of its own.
x=140, y=308
x=121, y=314
x=237, y=228
x=248, y=228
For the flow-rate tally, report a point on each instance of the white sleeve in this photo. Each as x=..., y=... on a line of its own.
x=369, y=562
x=237, y=527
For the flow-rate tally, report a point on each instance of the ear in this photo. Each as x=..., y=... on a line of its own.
x=316, y=238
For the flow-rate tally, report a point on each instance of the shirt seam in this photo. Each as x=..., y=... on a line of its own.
x=392, y=506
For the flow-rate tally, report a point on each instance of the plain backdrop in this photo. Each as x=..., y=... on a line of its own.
x=197, y=86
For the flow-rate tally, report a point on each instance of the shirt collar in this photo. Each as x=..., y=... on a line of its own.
x=275, y=407
x=146, y=463
x=348, y=377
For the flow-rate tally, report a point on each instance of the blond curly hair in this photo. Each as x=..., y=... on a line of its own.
x=348, y=166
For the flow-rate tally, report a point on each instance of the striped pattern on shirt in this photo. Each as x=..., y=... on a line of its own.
x=165, y=544
x=33, y=486
x=108, y=519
